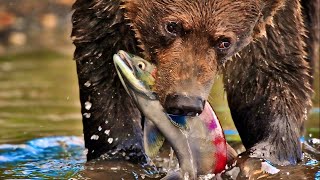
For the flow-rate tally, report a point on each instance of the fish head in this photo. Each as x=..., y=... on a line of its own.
x=135, y=73
x=143, y=70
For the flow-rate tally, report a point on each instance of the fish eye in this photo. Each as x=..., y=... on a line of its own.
x=141, y=65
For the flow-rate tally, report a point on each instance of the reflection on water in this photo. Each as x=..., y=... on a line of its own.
x=41, y=126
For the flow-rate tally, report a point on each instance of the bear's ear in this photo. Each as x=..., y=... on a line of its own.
x=131, y=8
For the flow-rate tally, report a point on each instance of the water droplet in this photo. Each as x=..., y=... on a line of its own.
x=107, y=132
x=114, y=168
x=87, y=115
x=86, y=151
x=87, y=84
x=99, y=128
x=110, y=140
x=94, y=137
x=87, y=105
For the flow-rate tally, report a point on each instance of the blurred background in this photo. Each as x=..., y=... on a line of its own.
x=38, y=91
x=38, y=82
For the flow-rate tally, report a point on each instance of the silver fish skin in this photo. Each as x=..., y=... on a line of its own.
x=153, y=111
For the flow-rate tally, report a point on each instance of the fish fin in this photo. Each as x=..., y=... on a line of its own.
x=153, y=139
x=231, y=154
x=179, y=121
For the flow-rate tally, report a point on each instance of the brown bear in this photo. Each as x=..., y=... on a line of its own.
x=258, y=45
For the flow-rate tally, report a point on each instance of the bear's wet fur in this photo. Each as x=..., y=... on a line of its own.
x=258, y=45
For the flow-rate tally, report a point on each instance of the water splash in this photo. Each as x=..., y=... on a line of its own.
x=43, y=158
x=65, y=157
x=87, y=105
x=87, y=84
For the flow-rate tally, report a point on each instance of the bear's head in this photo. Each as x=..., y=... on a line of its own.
x=189, y=41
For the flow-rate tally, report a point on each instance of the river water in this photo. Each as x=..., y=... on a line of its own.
x=41, y=130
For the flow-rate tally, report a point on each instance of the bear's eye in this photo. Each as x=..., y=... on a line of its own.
x=173, y=28
x=142, y=65
x=224, y=44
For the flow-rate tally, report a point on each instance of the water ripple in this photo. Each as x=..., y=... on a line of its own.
x=43, y=157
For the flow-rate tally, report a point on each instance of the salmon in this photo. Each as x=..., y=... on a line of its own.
x=198, y=142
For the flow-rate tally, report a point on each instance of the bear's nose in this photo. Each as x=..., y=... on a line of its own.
x=177, y=104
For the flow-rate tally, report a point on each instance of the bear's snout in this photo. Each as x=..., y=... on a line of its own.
x=178, y=104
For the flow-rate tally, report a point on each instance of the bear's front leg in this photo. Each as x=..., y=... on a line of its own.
x=111, y=121
x=268, y=89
